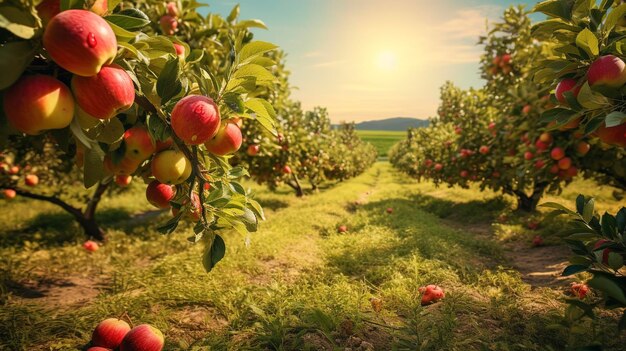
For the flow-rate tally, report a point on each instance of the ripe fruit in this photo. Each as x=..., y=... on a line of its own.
x=180, y=50
x=195, y=119
x=582, y=148
x=125, y=166
x=526, y=109
x=143, y=337
x=546, y=138
x=37, y=103
x=139, y=143
x=162, y=145
x=605, y=252
x=613, y=135
x=123, y=180
x=192, y=213
x=253, y=150
x=80, y=41
x=171, y=167
x=428, y=162
x=91, y=246
x=492, y=125
x=537, y=241
x=565, y=85
x=389, y=210
x=506, y=59
x=98, y=348
x=579, y=290
x=565, y=163
x=99, y=7
x=342, y=229
x=484, y=149
x=286, y=170
x=227, y=140
x=438, y=167
x=172, y=9
x=541, y=146
x=109, y=333
x=557, y=153
x=539, y=164
x=31, y=179
x=571, y=172
x=159, y=194
x=168, y=24
x=9, y=194
x=48, y=9
x=607, y=70
x=464, y=174
x=105, y=94
x=528, y=155
x=13, y=170
x=554, y=169
x=458, y=130
x=431, y=294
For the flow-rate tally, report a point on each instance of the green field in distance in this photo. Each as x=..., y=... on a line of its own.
x=382, y=139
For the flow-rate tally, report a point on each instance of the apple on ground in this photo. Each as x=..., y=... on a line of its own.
x=159, y=194
x=342, y=229
x=431, y=294
x=80, y=41
x=109, y=333
x=171, y=167
x=31, y=180
x=9, y=194
x=91, y=246
x=227, y=140
x=580, y=290
x=50, y=104
x=143, y=337
x=195, y=119
x=537, y=241
x=105, y=94
x=389, y=210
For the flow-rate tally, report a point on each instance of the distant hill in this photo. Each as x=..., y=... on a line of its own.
x=396, y=123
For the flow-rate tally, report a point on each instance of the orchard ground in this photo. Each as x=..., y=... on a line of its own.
x=383, y=140
x=299, y=285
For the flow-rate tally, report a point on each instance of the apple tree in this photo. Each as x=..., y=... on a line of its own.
x=102, y=82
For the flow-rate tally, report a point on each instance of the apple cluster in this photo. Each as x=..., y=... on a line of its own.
x=16, y=174
x=116, y=334
x=501, y=64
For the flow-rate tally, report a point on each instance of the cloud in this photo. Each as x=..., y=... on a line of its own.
x=469, y=23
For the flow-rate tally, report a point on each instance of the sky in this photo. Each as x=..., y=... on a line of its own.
x=374, y=59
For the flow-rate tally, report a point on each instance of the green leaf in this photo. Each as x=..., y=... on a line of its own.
x=19, y=22
x=112, y=131
x=574, y=269
x=614, y=119
x=127, y=22
x=580, y=204
x=590, y=99
x=615, y=261
x=256, y=207
x=14, y=58
x=214, y=254
x=556, y=8
x=260, y=73
x=122, y=34
x=234, y=102
x=614, y=17
x=606, y=284
x=73, y=4
x=254, y=49
x=158, y=128
x=168, y=84
x=251, y=24
x=93, y=165
x=588, y=210
x=234, y=13
x=587, y=41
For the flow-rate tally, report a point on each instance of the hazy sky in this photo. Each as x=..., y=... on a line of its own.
x=373, y=59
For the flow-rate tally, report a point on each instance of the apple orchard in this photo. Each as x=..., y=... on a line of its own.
x=101, y=96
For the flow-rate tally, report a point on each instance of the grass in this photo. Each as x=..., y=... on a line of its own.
x=383, y=140
x=298, y=285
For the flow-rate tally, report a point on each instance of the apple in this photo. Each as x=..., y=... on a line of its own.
x=491, y=126
x=192, y=214
x=541, y=146
x=484, y=149
x=80, y=41
x=109, y=333
x=528, y=155
x=123, y=180
x=180, y=50
x=579, y=290
x=37, y=103
x=48, y=9
x=458, y=130
x=546, y=138
x=163, y=145
x=31, y=179
x=227, y=140
x=91, y=246
x=159, y=194
x=582, y=148
x=342, y=229
x=105, y=94
x=139, y=143
x=389, y=210
x=506, y=59
x=13, y=170
x=286, y=169
x=428, y=162
x=526, y=109
x=537, y=241
x=608, y=70
x=565, y=163
x=431, y=294
x=565, y=85
x=539, y=164
x=98, y=348
x=169, y=24
x=506, y=69
x=253, y=150
x=438, y=167
x=9, y=194
x=496, y=60
x=464, y=174
x=612, y=135
x=195, y=119
x=125, y=166
x=554, y=169
x=571, y=172
x=557, y=153
x=172, y=9
x=99, y=7
x=605, y=252
x=171, y=167
x=143, y=337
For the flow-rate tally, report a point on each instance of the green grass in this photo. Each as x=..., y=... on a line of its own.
x=298, y=285
x=381, y=139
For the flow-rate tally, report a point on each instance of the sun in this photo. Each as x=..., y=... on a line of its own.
x=386, y=60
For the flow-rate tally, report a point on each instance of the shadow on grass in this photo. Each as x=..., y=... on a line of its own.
x=469, y=212
x=273, y=204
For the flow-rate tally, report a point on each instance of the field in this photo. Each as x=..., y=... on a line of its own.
x=297, y=284
x=382, y=139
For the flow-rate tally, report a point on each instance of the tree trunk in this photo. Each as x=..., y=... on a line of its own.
x=295, y=184
x=529, y=203
x=85, y=219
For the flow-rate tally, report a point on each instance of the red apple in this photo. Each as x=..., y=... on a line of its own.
x=100, y=7
x=109, y=333
x=579, y=290
x=143, y=337
x=195, y=119
x=253, y=150
x=464, y=174
x=123, y=180
x=495, y=174
x=91, y=246
x=539, y=164
x=492, y=125
x=608, y=70
x=98, y=348
x=171, y=167
x=605, y=252
x=389, y=210
x=554, y=169
x=80, y=41
x=48, y=9
x=31, y=179
x=168, y=24
x=541, y=146
x=612, y=135
x=484, y=149
x=566, y=85
x=557, y=153
x=546, y=138
x=180, y=50
x=537, y=241
x=37, y=103
x=9, y=194
x=163, y=145
x=526, y=109
x=105, y=94
x=172, y=9
x=13, y=170
x=139, y=144
x=506, y=59
x=565, y=163
x=528, y=155
x=582, y=148
x=342, y=229
x=286, y=169
x=431, y=294
x=227, y=140
x=159, y=194
x=438, y=167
